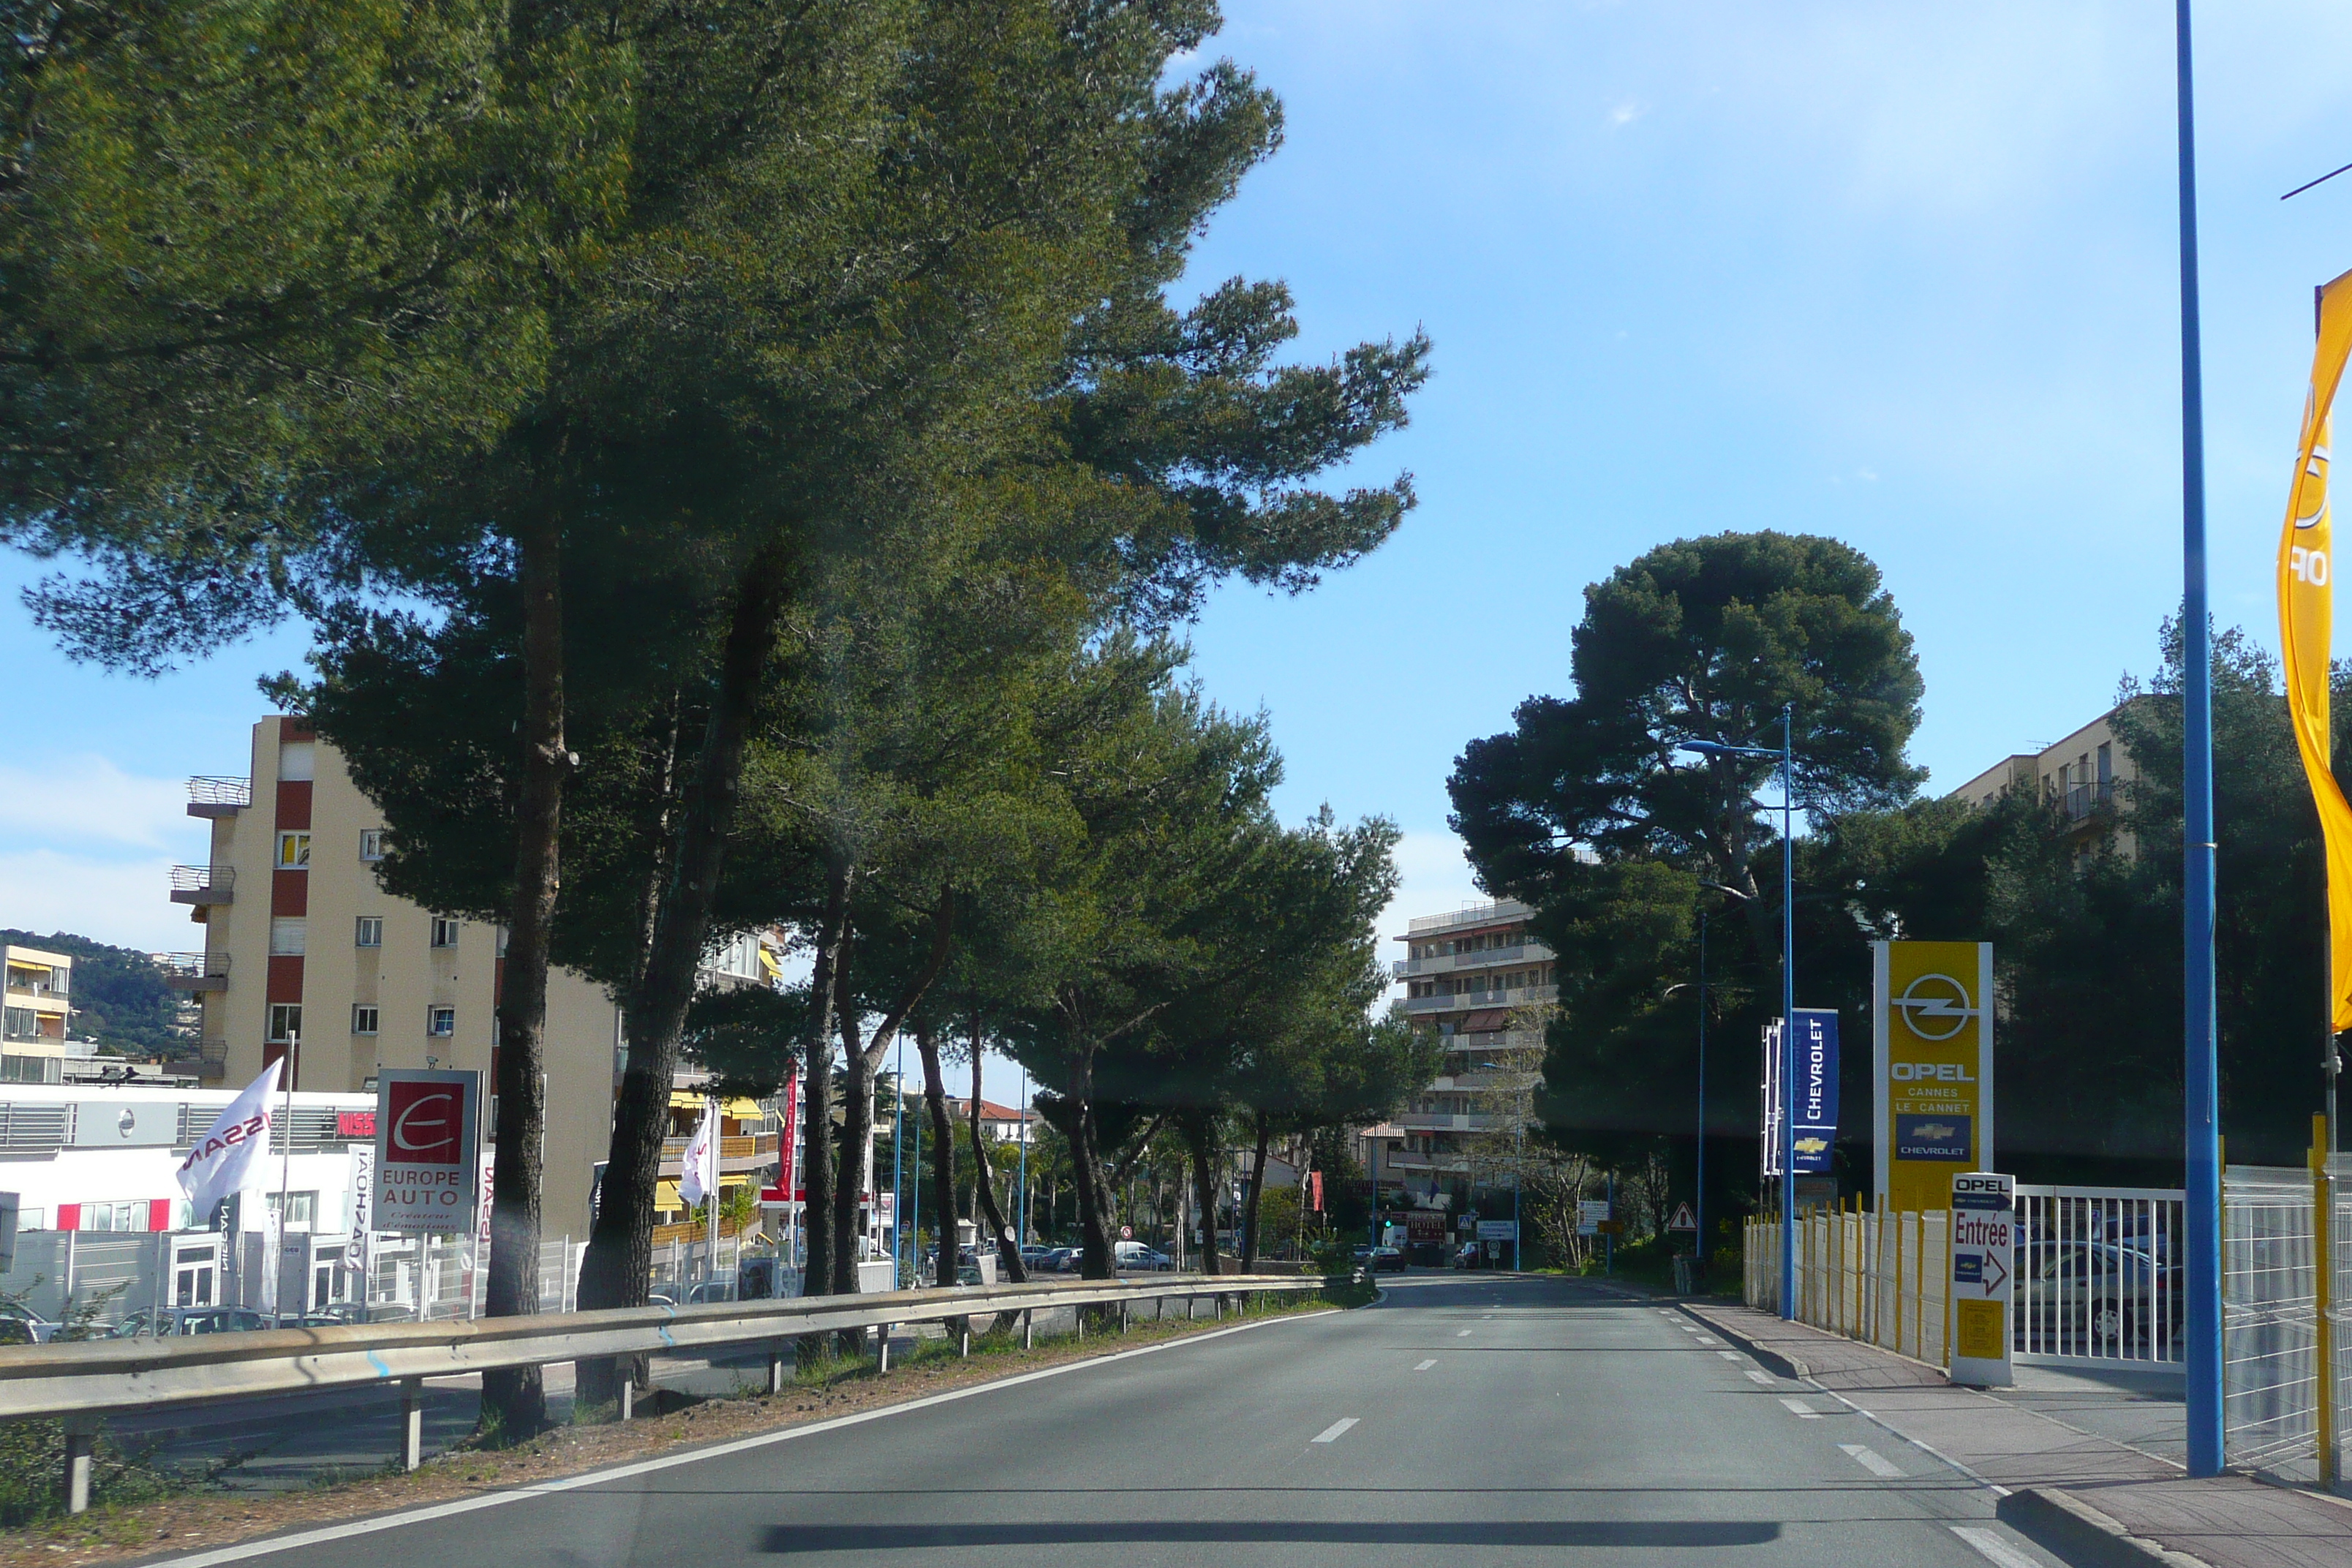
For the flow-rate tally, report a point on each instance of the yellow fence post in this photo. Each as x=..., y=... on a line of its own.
x=2323, y=1225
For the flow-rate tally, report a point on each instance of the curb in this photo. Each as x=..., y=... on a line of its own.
x=1774, y=1361
x=2082, y=1535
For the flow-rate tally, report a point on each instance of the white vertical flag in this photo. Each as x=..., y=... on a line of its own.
x=221, y=1164
x=699, y=1170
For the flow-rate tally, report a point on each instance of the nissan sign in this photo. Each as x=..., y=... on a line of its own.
x=427, y=1150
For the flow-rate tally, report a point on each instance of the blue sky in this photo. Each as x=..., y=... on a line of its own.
x=1900, y=274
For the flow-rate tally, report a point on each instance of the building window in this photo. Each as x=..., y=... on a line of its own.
x=293, y=851
x=127, y=1215
x=441, y=1022
x=290, y=936
x=445, y=932
x=363, y=1019
x=285, y=1022
x=371, y=843
x=369, y=931
x=302, y=1209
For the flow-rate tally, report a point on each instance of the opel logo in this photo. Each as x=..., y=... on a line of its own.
x=1935, y=1006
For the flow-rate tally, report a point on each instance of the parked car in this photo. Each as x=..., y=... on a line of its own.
x=1379, y=1259
x=1060, y=1260
x=711, y=1290
x=1033, y=1258
x=20, y=1325
x=2113, y=1294
x=174, y=1321
x=1135, y=1257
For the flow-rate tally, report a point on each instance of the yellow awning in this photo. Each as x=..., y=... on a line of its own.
x=686, y=1099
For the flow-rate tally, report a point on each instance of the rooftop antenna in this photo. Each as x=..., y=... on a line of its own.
x=2321, y=181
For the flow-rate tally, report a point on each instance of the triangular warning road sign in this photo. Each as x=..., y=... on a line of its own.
x=1683, y=1219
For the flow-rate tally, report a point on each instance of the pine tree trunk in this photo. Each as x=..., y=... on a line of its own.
x=1257, y=1192
x=514, y=1399
x=935, y=1105
x=816, y=1073
x=1094, y=1227
x=616, y=1269
x=1199, y=1129
x=1008, y=1246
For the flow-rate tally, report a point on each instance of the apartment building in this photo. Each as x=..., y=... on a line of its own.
x=39, y=1002
x=2079, y=775
x=305, y=956
x=1479, y=980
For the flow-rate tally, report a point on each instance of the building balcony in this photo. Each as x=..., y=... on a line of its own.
x=197, y=972
x=216, y=797
x=1446, y=1122
x=1403, y=1160
x=1495, y=912
x=1465, y=1001
x=1486, y=958
x=2080, y=803
x=204, y=884
x=212, y=1060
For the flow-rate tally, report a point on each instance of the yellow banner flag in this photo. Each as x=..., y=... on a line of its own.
x=2306, y=613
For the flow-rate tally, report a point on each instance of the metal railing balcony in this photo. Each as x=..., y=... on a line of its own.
x=204, y=884
x=1465, y=1001
x=2082, y=800
x=193, y=970
x=209, y=797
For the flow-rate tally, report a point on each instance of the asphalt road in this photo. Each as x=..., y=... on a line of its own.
x=1470, y=1420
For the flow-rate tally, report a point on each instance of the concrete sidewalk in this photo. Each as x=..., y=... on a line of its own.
x=2090, y=1498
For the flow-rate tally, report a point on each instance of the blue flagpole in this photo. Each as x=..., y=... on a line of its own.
x=899, y=1164
x=2201, y=1112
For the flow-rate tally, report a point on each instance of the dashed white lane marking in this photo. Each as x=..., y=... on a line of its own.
x=1424, y=1366
x=1728, y=1355
x=1992, y=1548
x=1799, y=1407
x=1705, y=1341
x=1877, y=1464
x=1332, y=1433
x=1461, y=1334
x=1763, y=1377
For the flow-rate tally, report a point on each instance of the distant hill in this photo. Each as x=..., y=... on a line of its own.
x=119, y=995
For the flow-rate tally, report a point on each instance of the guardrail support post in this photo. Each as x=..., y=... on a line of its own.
x=882, y=1354
x=775, y=1370
x=1122, y=1317
x=1029, y=1328
x=412, y=1422
x=1221, y=1308
x=81, y=1441
x=628, y=1396
x=964, y=1340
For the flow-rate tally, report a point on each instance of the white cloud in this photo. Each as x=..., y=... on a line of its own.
x=84, y=798
x=1625, y=113
x=120, y=902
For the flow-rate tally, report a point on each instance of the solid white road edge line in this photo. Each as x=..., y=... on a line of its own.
x=268, y=1545
x=1332, y=1433
x=1871, y=1460
x=1992, y=1548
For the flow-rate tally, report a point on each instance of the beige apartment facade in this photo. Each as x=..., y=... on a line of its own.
x=304, y=954
x=1480, y=981
x=40, y=1009
x=2083, y=776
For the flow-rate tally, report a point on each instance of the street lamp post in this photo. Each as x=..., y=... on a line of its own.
x=1787, y=754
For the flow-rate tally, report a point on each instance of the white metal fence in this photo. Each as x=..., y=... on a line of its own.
x=2273, y=1415
x=2096, y=1277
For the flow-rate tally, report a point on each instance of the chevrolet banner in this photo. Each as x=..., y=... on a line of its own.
x=2306, y=610
x=1816, y=1099
x=1931, y=1075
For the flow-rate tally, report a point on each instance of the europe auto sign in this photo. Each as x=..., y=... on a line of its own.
x=1932, y=1069
x=1984, y=1255
x=428, y=1151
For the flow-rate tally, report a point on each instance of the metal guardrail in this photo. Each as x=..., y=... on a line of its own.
x=85, y=1381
